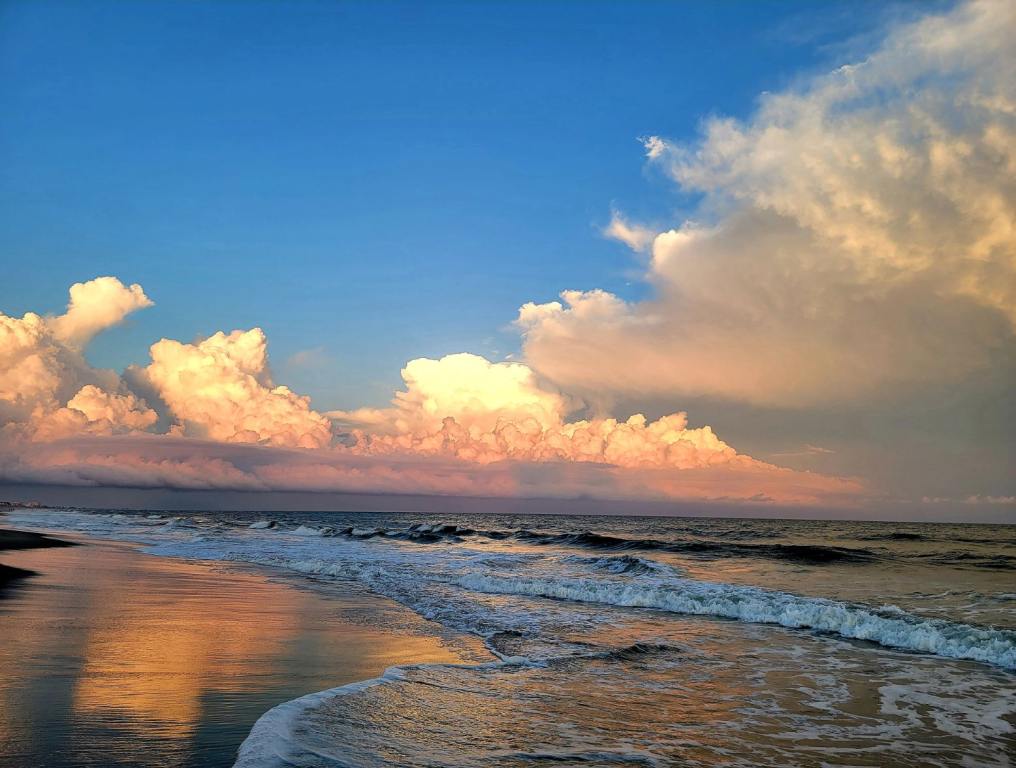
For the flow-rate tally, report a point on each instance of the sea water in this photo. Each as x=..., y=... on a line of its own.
x=641, y=640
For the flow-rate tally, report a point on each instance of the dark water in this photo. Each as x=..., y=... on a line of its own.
x=643, y=641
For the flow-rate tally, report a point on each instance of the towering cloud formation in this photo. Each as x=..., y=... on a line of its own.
x=221, y=388
x=94, y=411
x=467, y=388
x=866, y=237
x=47, y=389
x=218, y=388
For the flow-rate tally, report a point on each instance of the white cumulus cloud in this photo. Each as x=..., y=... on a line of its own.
x=94, y=306
x=221, y=388
x=47, y=388
x=467, y=407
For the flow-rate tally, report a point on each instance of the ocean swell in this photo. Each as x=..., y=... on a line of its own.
x=812, y=554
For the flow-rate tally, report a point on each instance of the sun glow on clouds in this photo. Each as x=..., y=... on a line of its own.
x=221, y=388
x=465, y=406
x=47, y=389
x=208, y=415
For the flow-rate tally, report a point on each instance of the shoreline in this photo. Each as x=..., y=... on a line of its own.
x=580, y=641
x=115, y=652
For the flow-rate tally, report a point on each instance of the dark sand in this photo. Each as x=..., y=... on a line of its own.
x=110, y=657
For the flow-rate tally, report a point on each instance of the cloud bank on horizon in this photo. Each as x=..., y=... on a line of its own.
x=208, y=415
x=857, y=234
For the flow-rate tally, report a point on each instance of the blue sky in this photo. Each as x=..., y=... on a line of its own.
x=372, y=181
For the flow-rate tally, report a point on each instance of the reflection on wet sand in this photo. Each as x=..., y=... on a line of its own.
x=111, y=657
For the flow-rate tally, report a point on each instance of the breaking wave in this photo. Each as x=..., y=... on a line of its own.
x=890, y=628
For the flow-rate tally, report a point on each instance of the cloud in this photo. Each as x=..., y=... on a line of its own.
x=166, y=461
x=635, y=236
x=94, y=306
x=43, y=372
x=467, y=408
x=96, y=412
x=654, y=146
x=221, y=388
x=207, y=415
x=807, y=450
x=135, y=462
x=976, y=499
x=468, y=388
x=859, y=238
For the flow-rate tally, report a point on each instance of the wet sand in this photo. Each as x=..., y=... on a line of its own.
x=111, y=657
x=10, y=539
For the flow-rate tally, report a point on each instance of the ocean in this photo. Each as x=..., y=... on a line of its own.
x=653, y=641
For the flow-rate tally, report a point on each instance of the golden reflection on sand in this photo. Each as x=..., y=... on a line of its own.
x=154, y=653
x=158, y=648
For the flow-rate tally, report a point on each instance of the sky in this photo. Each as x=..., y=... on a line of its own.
x=782, y=232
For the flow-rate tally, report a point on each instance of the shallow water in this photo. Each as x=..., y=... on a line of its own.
x=110, y=657
x=655, y=641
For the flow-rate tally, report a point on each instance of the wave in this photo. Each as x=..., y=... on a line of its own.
x=803, y=553
x=894, y=536
x=995, y=562
x=272, y=736
x=277, y=740
x=640, y=650
x=622, y=564
x=421, y=533
x=892, y=629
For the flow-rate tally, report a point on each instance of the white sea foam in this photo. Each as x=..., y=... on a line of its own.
x=760, y=606
x=272, y=736
x=275, y=740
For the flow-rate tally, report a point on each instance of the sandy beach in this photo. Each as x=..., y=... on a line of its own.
x=112, y=657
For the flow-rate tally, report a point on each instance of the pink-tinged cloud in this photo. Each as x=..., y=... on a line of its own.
x=93, y=411
x=94, y=306
x=165, y=461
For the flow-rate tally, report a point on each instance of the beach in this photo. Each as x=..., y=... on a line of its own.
x=373, y=640
x=112, y=657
